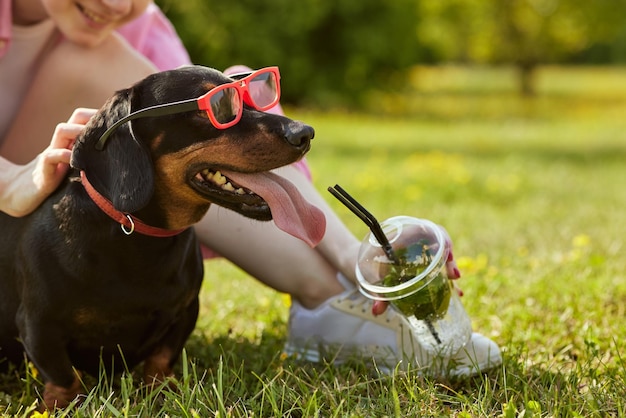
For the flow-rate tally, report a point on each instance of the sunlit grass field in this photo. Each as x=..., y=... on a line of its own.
x=533, y=193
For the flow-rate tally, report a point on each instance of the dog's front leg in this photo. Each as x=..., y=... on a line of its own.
x=159, y=365
x=45, y=348
x=62, y=382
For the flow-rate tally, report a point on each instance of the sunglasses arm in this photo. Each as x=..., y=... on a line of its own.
x=159, y=110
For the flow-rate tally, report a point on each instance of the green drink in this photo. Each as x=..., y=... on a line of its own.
x=431, y=301
x=412, y=277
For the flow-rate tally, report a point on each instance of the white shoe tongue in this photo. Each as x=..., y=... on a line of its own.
x=290, y=211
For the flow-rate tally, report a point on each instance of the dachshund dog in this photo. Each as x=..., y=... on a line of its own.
x=108, y=270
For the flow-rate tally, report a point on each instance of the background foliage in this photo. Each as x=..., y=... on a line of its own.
x=336, y=52
x=327, y=51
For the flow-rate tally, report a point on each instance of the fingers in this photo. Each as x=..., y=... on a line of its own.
x=37, y=179
x=82, y=115
x=55, y=156
x=452, y=270
x=53, y=164
x=54, y=161
x=379, y=307
x=451, y=267
x=65, y=133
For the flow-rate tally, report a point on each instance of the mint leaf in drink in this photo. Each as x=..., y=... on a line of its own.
x=432, y=300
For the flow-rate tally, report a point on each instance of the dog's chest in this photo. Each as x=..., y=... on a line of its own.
x=101, y=326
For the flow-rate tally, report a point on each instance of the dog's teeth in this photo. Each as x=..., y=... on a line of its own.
x=205, y=174
x=219, y=179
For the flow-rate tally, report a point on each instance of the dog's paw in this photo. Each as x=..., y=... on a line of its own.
x=59, y=397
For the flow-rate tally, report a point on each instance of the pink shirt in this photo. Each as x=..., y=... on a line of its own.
x=154, y=36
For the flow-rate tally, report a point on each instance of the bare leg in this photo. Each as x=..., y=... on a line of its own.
x=70, y=77
x=280, y=260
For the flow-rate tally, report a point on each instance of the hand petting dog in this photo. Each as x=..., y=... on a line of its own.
x=27, y=186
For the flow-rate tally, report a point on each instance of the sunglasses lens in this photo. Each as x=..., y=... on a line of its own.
x=264, y=90
x=225, y=105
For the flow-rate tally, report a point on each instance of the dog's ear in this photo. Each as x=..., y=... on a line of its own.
x=122, y=171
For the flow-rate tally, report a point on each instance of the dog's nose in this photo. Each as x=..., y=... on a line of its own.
x=298, y=134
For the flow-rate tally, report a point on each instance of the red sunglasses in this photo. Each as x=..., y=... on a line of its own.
x=223, y=104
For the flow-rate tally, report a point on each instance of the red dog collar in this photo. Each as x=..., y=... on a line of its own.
x=127, y=222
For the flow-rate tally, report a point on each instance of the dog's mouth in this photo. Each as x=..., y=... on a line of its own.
x=263, y=196
x=226, y=192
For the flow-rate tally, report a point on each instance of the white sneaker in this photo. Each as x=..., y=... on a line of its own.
x=344, y=328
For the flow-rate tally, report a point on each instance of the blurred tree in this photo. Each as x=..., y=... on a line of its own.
x=329, y=52
x=334, y=52
x=525, y=33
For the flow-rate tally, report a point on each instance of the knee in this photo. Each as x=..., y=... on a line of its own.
x=95, y=73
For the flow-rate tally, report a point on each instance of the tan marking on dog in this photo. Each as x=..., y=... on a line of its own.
x=157, y=367
x=85, y=316
x=55, y=396
x=257, y=153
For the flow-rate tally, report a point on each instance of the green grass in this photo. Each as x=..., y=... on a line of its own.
x=532, y=192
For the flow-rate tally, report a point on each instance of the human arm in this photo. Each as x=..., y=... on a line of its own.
x=23, y=187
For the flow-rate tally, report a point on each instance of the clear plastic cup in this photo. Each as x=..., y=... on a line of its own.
x=416, y=282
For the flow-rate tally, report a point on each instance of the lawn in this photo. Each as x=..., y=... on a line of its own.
x=532, y=192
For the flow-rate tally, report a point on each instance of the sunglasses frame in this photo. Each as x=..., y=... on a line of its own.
x=240, y=84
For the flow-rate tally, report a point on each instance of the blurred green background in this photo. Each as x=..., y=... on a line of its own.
x=340, y=53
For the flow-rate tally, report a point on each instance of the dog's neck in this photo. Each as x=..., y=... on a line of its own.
x=128, y=223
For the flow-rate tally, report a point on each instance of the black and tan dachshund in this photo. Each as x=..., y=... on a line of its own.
x=108, y=269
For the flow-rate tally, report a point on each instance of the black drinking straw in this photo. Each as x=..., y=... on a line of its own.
x=369, y=219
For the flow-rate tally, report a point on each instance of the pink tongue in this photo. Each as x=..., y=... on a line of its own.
x=291, y=212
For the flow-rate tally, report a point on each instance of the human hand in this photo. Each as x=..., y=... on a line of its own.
x=30, y=184
x=452, y=271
